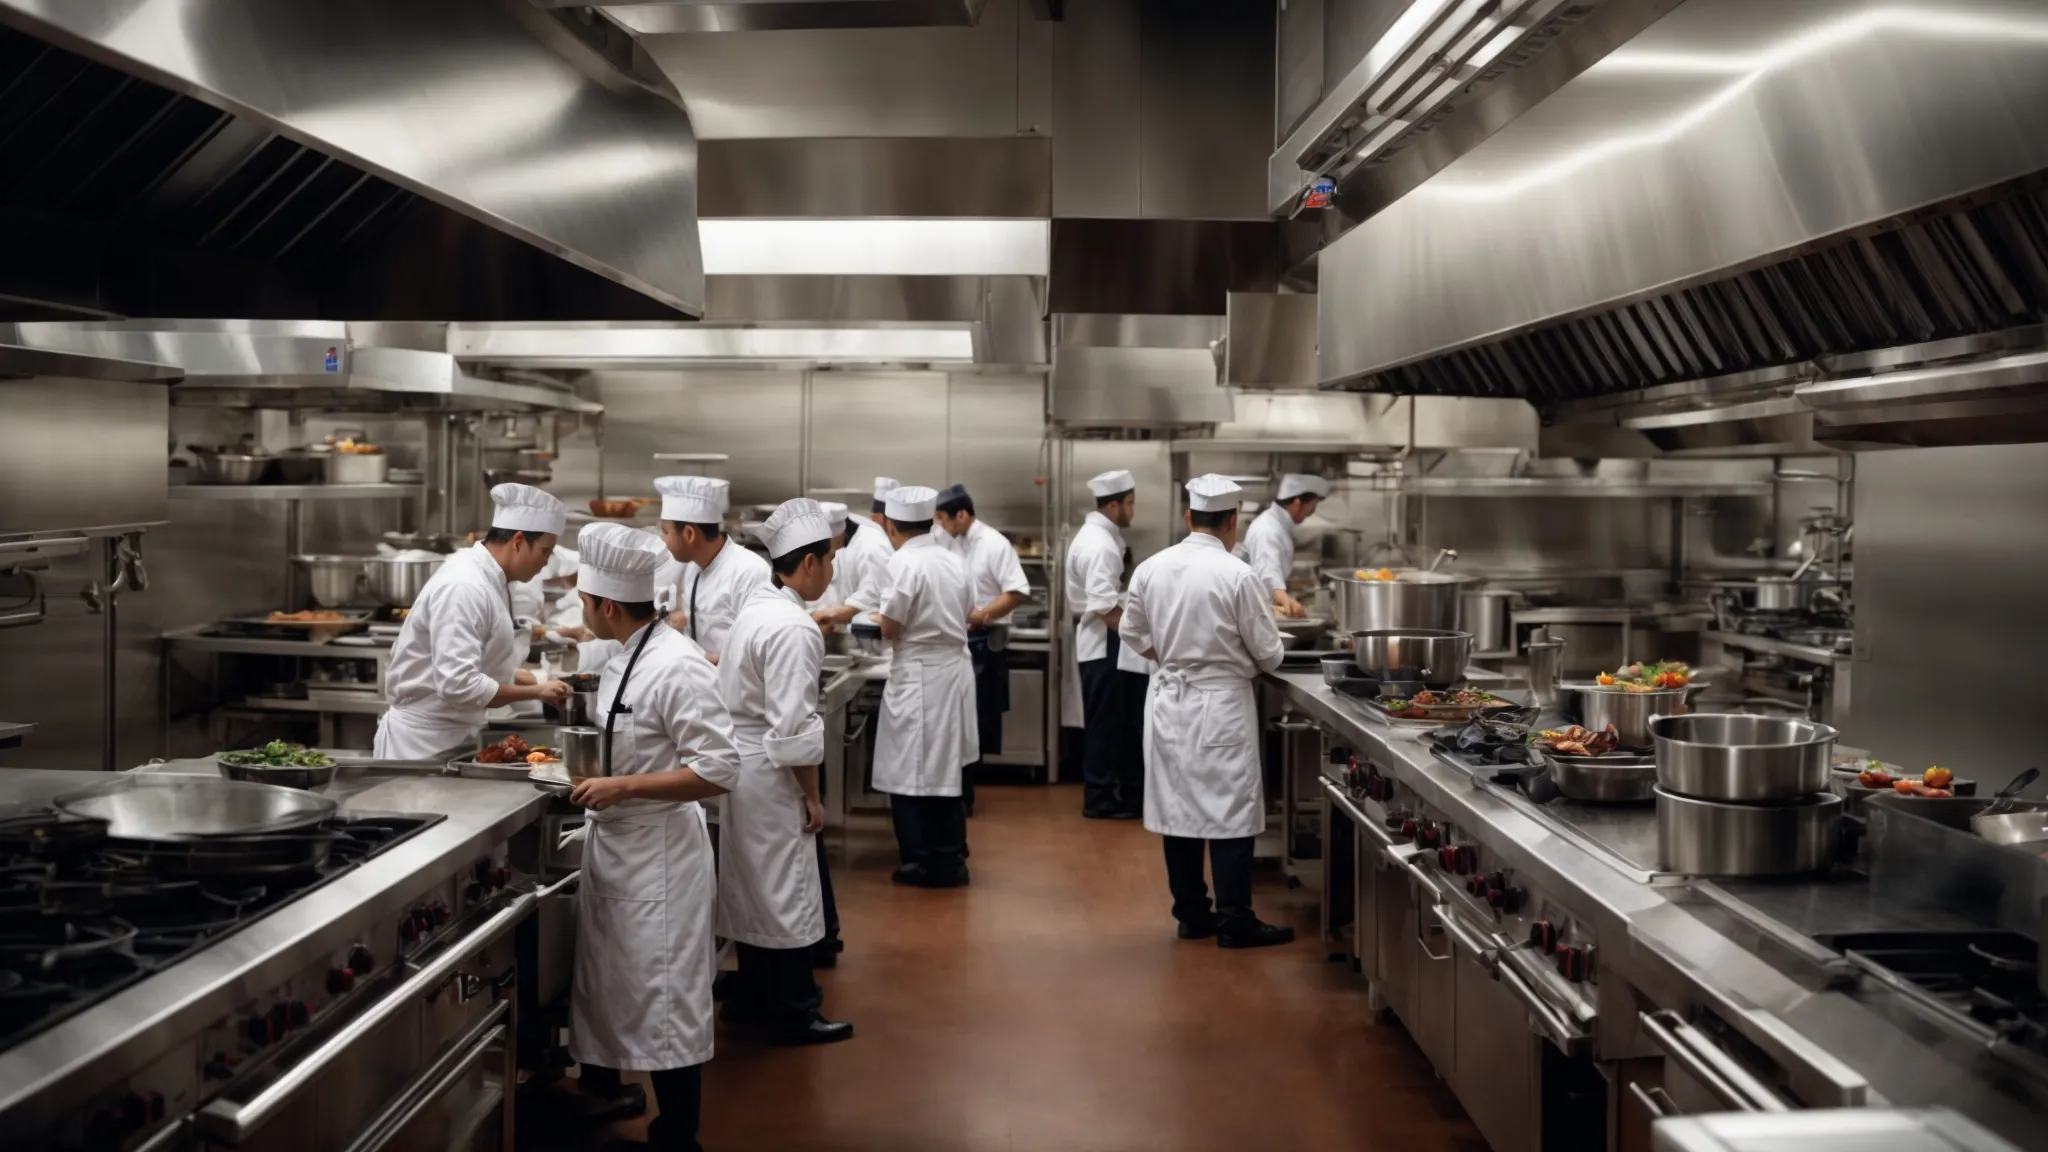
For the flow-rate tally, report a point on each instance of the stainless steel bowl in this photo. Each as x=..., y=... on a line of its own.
x=396, y=583
x=1412, y=600
x=332, y=581
x=357, y=467
x=292, y=777
x=1596, y=707
x=1743, y=759
x=184, y=807
x=1338, y=668
x=1605, y=779
x=1709, y=838
x=1432, y=656
x=232, y=468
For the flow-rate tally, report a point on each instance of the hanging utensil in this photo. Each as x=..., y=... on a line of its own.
x=1442, y=555
x=2009, y=795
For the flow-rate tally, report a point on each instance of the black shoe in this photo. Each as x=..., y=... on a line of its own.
x=1109, y=814
x=958, y=879
x=825, y=953
x=1257, y=934
x=816, y=1030
x=1197, y=929
x=590, y=1108
x=907, y=874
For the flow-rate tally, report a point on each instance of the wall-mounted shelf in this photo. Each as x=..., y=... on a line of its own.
x=242, y=492
x=1572, y=486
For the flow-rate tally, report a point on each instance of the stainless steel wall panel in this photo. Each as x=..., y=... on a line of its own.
x=1297, y=62
x=1160, y=503
x=755, y=417
x=866, y=425
x=1205, y=98
x=1096, y=88
x=994, y=445
x=889, y=176
x=1272, y=340
x=81, y=454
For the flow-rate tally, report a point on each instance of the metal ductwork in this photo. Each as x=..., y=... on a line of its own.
x=664, y=16
x=1743, y=193
x=311, y=158
x=1118, y=372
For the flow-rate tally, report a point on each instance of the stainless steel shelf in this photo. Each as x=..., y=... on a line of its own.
x=236, y=492
x=1499, y=486
x=1276, y=447
x=1773, y=647
x=13, y=732
x=370, y=705
x=192, y=640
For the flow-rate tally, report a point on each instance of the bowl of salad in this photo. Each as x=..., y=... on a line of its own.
x=286, y=765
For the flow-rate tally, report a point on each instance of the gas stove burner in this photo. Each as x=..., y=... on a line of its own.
x=47, y=834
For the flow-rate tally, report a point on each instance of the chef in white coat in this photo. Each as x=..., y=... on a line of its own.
x=863, y=565
x=770, y=899
x=458, y=654
x=926, y=730
x=996, y=586
x=1113, y=698
x=1208, y=621
x=840, y=517
x=1269, y=542
x=645, y=951
x=718, y=572
x=825, y=954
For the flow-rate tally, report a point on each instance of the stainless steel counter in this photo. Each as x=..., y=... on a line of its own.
x=49, y=1074
x=1739, y=950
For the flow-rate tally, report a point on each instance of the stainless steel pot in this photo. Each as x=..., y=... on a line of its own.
x=1781, y=594
x=1434, y=657
x=582, y=752
x=185, y=807
x=332, y=581
x=1605, y=779
x=1630, y=712
x=1484, y=613
x=1709, y=838
x=1413, y=599
x=1743, y=759
x=396, y=583
x=217, y=467
x=358, y=467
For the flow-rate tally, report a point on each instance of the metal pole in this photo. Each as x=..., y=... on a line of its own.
x=112, y=572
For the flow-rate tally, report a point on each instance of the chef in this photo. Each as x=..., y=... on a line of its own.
x=770, y=897
x=927, y=730
x=717, y=573
x=1269, y=542
x=839, y=517
x=530, y=607
x=996, y=586
x=1208, y=621
x=645, y=953
x=458, y=654
x=825, y=954
x=864, y=565
x=1113, y=699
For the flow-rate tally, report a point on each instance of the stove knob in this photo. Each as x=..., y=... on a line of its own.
x=360, y=962
x=472, y=893
x=257, y=1029
x=440, y=914
x=481, y=871
x=1409, y=828
x=1468, y=859
x=1564, y=960
x=298, y=1013
x=1431, y=836
x=277, y=1022
x=1475, y=886
x=1508, y=900
x=141, y=1109
x=1446, y=858
x=1496, y=881
x=409, y=930
x=1578, y=966
x=500, y=877
x=1543, y=936
x=340, y=980
x=220, y=1067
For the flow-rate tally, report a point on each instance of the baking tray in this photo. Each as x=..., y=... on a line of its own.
x=554, y=782
x=353, y=620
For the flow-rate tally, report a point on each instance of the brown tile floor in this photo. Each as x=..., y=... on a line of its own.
x=1049, y=1006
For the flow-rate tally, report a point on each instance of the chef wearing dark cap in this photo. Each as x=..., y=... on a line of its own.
x=996, y=585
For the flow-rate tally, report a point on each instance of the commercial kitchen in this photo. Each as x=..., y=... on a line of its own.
x=1638, y=409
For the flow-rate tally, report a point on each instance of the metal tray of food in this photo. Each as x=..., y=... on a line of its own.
x=551, y=778
x=340, y=619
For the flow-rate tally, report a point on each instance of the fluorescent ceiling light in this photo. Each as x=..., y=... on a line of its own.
x=657, y=346
x=1746, y=70
x=869, y=247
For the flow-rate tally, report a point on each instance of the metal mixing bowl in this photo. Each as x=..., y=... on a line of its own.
x=332, y=581
x=396, y=583
x=292, y=777
x=1742, y=759
x=1434, y=657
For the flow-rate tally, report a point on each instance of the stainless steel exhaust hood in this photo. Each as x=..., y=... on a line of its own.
x=1126, y=372
x=477, y=105
x=663, y=16
x=1743, y=187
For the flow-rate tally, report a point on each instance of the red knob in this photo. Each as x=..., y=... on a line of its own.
x=1498, y=897
x=298, y=1013
x=1409, y=829
x=1543, y=936
x=500, y=877
x=220, y=1067
x=360, y=961
x=340, y=980
x=1447, y=858
x=1468, y=858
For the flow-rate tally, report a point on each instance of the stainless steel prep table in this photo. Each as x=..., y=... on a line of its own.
x=1734, y=949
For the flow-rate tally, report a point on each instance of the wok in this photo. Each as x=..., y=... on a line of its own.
x=187, y=807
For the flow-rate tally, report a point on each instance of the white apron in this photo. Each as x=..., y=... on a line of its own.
x=1071, y=715
x=411, y=734
x=768, y=892
x=640, y=999
x=1202, y=773
x=928, y=731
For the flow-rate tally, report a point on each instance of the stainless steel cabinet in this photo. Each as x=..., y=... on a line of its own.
x=1436, y=999
x=1497, y=1063
x=1395, y=940
x=1024, y=723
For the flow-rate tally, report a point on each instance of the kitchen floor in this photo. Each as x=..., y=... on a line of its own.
x=1049, y=1006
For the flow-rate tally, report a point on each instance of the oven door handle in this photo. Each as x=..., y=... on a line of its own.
x=435, y=1082
x=1731, y=1083
x=1416, y=876
x=1568, y=1037
x=559, y=886
x=226, y=1121
x=1343, y=801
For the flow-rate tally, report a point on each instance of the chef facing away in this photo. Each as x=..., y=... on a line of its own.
x=927, y=732
x=1112, y=684
x=1208, y=621
x=996, y=586
x=458, y=654
x=1269, y=543
x=645, y=948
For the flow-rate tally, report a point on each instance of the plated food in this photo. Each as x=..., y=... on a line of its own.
x=1936, y=783
x=278, y=754
x=311, y=616
x=1577, y=741
x=1458, y=704
x=1656, y=676
x=513, y=750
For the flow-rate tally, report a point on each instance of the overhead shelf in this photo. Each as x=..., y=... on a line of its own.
x=245, y=492
x=1573, y=486
x=1268, y=446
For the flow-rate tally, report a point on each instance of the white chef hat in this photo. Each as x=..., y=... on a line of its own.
x=911, y=504
x=1213, y=493
x=1112, y=484
x=793, y=524
x=1301, y=484
x=524, y=508
x=618, y=562
x=835, y=513
x=883, y=486
x=693, y=499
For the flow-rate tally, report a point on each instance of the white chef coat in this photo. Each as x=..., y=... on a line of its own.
x=712, y=595
x=928, y=730
x=1095, y=572
x=455, y=650
x=992, y=564
x=1269, y=548
x=864, y=567
x=645, y=953
x=768, y=889
x=1211, y=621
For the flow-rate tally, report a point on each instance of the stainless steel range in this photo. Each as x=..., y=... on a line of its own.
x=364, y=1001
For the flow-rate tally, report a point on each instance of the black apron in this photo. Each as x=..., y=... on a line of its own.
x=991, y=691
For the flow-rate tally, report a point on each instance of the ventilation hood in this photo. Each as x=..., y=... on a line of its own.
x=1740, y=220
x=269, y=132
x=664, y=16
x=317, y=364
x=1135, y=372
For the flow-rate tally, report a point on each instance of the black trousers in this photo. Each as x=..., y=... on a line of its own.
x=776, y=983
x=1230, y=862
x=930, y=830
x=825, y=872
x=1112, y=734
x=678, y=1093
x=991, y=701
